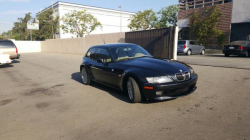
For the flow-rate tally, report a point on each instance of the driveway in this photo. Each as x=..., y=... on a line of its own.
x=42, y=97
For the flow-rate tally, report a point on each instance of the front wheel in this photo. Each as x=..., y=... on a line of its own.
x=85, y=77
x=133, y=91
x=202, y=52
x=226, y=55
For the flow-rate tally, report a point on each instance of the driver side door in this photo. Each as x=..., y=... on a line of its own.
x=101, y=68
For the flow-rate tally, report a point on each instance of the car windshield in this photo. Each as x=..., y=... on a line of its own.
x=121, y=53
x=181, y=42
x=238, y=43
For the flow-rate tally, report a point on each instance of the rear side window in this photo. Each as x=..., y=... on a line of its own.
x=181, y=42
x=6, y=44
x=191, y=42
x=91, y=54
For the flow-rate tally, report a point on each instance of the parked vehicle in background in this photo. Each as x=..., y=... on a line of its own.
x=132, y=69
x=8, y=47
x=189, y=47
x=241, y=48
x=4, y=59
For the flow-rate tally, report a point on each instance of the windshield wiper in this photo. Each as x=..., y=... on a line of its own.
x=124, y=59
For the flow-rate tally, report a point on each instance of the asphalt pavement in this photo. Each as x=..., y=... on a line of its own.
x=42, y=97
x=217, y=60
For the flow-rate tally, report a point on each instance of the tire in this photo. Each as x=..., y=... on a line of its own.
x=226, y=55
x=248, y=54
x=189, y=52
x=133, y=91
x=85, y=77
x=202, y=52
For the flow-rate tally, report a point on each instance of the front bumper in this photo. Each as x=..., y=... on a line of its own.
x=170, y=91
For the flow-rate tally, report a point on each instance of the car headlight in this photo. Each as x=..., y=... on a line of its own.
x=191, y=71
x=159, y=80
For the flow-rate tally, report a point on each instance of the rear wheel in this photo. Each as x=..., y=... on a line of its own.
x=226, y=55
x=85, y=77
x=133, y=90
x=189, y=52
x=248, y=53
x=202, y=52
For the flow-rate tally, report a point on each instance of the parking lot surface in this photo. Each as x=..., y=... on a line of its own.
x=217, y=60
x=42, y=97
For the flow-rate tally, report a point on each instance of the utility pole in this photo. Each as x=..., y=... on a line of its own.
x=120, y=18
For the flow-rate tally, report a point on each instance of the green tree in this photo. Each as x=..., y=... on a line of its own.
x=48, y=25
x=202, y=25
x=6, y=35
x=221, y=38
x=79, y=23
x=167, y=16
x=19, y=30
x=143, y=20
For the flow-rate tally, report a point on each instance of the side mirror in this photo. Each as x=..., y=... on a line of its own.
x=99, y=61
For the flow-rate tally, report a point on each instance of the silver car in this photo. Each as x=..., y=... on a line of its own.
x=189, y=47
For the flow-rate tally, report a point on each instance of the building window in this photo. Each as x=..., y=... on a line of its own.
x=192, y=4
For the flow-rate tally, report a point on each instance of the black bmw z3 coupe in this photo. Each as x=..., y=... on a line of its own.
x=130, y=68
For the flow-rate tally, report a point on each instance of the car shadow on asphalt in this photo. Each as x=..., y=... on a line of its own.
x=6, y=66
x=113, y=92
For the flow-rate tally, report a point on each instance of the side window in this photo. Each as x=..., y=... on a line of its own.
x=196, y=43
x=191, y=42
x=103, y=54
x=91, y=54
x=6, y=44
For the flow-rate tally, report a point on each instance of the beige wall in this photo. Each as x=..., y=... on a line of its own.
x=28, y=46
x=80, y=45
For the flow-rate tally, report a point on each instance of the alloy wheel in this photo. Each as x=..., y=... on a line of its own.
x=84, y=76
x=130, y=90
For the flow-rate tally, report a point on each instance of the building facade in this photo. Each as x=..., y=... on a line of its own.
x=234, y=23
x=112, y=20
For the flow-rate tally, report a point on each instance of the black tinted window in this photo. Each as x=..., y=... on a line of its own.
x=191, y=42
x=6, y=44
x=91, y=54
x=103, y=54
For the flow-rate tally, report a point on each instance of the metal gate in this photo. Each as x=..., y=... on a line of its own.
x=158, y=42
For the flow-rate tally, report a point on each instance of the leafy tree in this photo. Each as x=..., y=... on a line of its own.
x=167, y=16
x=143, y=20
x=6, y=35
x=19, y=30
x=48, y=24
x=221, y=38
x=79, y=23
x=202, y=25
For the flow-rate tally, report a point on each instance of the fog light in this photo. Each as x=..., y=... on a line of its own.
x=159, y=93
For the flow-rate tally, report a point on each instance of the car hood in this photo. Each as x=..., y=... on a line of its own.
x=163, y=66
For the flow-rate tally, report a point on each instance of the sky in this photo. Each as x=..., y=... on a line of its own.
x=10, y=10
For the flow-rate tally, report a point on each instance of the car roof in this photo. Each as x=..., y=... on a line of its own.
x=112, y=45
x=5, y=40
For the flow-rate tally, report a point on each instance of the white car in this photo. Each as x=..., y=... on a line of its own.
x=5, y=59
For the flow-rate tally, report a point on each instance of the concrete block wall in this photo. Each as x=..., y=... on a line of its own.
x=80, y=45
